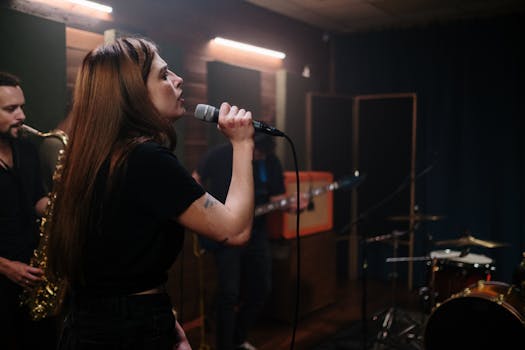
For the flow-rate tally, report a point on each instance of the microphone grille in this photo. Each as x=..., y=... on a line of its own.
x=205, y=112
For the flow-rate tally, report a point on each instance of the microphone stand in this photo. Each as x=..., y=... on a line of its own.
x=365, y=241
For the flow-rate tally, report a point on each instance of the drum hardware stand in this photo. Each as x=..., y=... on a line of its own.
x=432, y=285
x=386, y=335
x=428, y=293
x=364, y=269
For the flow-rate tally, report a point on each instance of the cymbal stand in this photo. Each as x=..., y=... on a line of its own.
x=364, y=268
x=389, y=317
x=397, y=326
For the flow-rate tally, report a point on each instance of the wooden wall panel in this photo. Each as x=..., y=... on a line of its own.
x=82, y=39
x=291, y=116
x=192, y=28
x=78, y=44
x=239, y=86
x=190, y=25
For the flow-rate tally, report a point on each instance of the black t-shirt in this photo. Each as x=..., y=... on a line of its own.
x=134, y=238
x=20, y=188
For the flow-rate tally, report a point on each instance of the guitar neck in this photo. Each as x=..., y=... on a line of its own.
x=268, y=207
x=285, y=202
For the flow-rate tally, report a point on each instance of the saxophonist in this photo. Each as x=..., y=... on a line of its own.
x=23, y=199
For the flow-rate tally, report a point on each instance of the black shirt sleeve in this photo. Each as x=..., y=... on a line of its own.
x=160, y=183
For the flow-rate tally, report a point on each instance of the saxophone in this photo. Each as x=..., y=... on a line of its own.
x=45, y=298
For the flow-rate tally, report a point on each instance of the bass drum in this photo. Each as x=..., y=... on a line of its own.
x=485, y=315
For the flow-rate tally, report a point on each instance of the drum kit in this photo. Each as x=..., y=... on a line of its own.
x=464, y=306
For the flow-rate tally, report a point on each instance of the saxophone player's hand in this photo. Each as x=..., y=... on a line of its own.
x=41, y=205
x=20, y=273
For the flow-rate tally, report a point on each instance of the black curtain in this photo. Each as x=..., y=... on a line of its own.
x=469, y=77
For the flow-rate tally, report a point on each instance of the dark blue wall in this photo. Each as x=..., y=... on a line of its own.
x=469, y=78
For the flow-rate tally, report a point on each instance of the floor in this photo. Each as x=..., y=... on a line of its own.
x=317, y=327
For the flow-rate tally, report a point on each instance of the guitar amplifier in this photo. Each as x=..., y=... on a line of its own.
x=318, y=217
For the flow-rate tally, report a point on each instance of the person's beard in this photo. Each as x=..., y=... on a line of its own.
x=9, y=134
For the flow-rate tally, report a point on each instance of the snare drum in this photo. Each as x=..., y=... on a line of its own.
x=485, y=315
x=453, y=272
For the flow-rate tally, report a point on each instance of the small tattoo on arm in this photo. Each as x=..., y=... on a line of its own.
x=210, y=202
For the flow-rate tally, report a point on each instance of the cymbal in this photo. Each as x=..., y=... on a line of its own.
x=470, y=241
x=417, y=217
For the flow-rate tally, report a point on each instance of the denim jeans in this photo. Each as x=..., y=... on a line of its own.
x=126, y=322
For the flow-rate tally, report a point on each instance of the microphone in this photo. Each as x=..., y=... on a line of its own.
x=210, y=114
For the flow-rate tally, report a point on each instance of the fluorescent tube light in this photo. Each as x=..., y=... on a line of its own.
x=250, y=48
x=93, y=5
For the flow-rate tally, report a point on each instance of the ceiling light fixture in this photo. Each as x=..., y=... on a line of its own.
x=248, y=47
x=93, y=5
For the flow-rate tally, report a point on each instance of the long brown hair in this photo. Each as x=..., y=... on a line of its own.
x=111, y=113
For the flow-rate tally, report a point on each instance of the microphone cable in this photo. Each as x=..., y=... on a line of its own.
x=298, y=257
